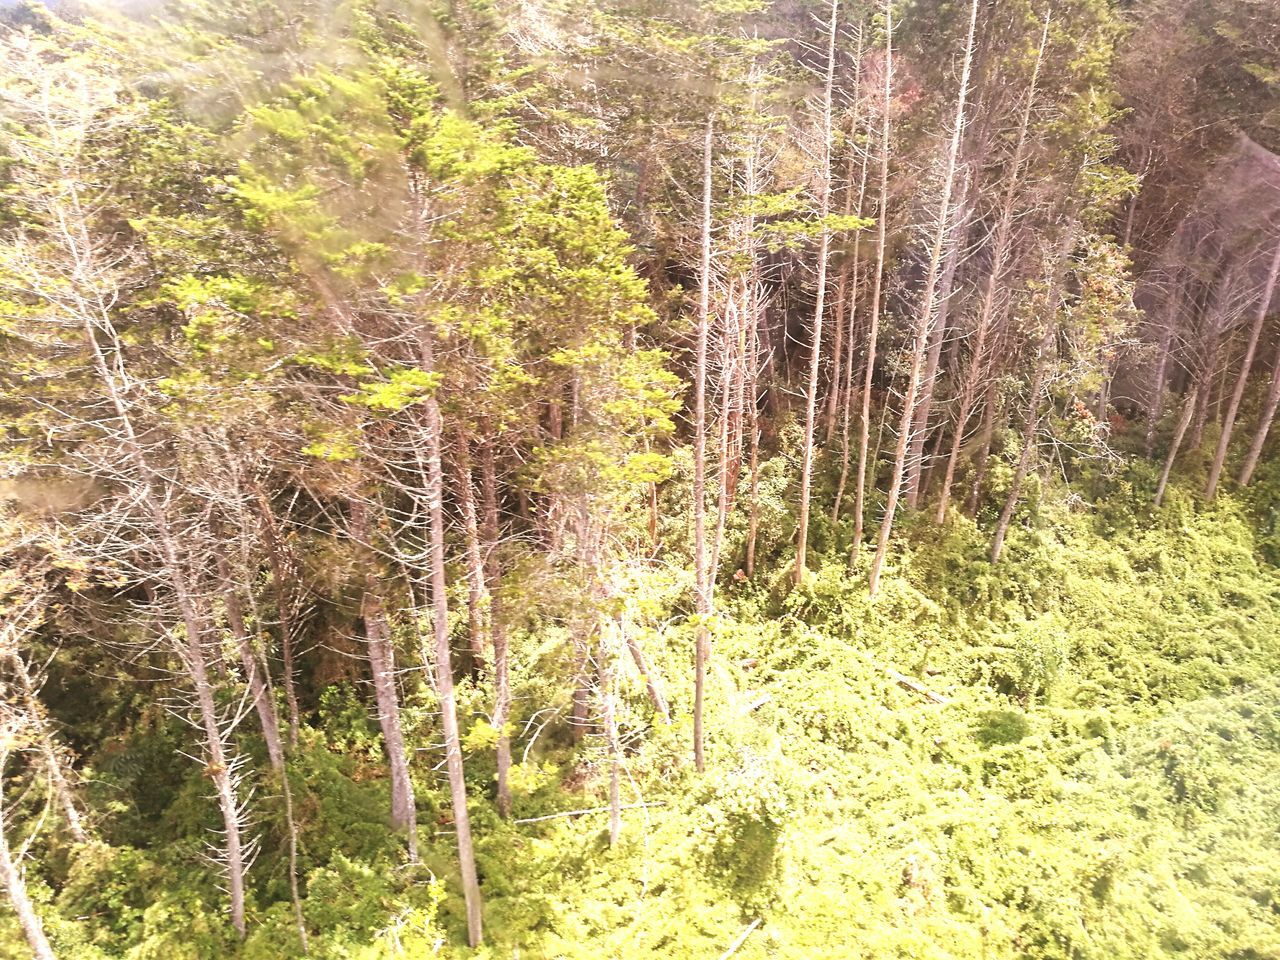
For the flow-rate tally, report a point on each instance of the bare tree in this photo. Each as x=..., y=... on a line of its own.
x=13, y=744
x=1267, y=417
x=76, y=274
x=1242, y=378
x=1002, y=245
x=702, y=575
x=877, y=286
x=928, y=310
x=819, y=309
x=19, y=623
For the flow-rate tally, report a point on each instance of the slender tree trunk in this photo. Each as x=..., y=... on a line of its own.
x=844, y=393
x=1183, y=422
x=258, y=692
x=873, y=330
x=381, y=656
x=1246, y=366
x=924, y=407
x=928, y=309
x=1033, y=403
x=651, y=681
x=431, y=431
x=702, y=575
x=501, y=654
x=38, y=718
x=1264, y=424
x=191, y=651
x=752, y=318
x=1158, y=386
x=284, y=610
x=1002, y=247
x=1204, y=392
x=15, y=884
x=1217, y=320
x=815, y=356
x=478, y=608
x=609, y=718
x=257, y=678
x=218, y=768
x=842, y=346
x=1024, y=456
x=728, y=374
x=982, y=461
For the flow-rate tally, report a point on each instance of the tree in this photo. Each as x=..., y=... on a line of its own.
x=928, y=307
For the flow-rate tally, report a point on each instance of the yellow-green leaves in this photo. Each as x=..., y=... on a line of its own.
x=403, y=387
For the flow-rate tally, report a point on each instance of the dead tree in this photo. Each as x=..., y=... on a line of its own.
x=824, y=256
x=927, y=315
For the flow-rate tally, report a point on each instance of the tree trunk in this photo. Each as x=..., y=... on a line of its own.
x=1246, y=366
x=15, y=885
x=191, y=652
x=1187, y=409
x=842, y=345
x=1161, y=371
x=381, y=654
x=276, y=559
x=844, y=393
x=1002, y=247
x=924, y=408
x=258, y=679
x=609, y=718
x=1264, y=424
x=928, y=308
x=1024, y=456
x=702, y=576
x=431, y=430
x=258, y=692
x=501, y=654
x=815, y=355
x=752, y=318
x=728, y=375
x=478, y=607
x=1033, y=404
x=873, y=330
x=39, y=720
x=987, y=432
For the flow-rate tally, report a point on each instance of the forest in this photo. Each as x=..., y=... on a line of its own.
x=590, y=479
